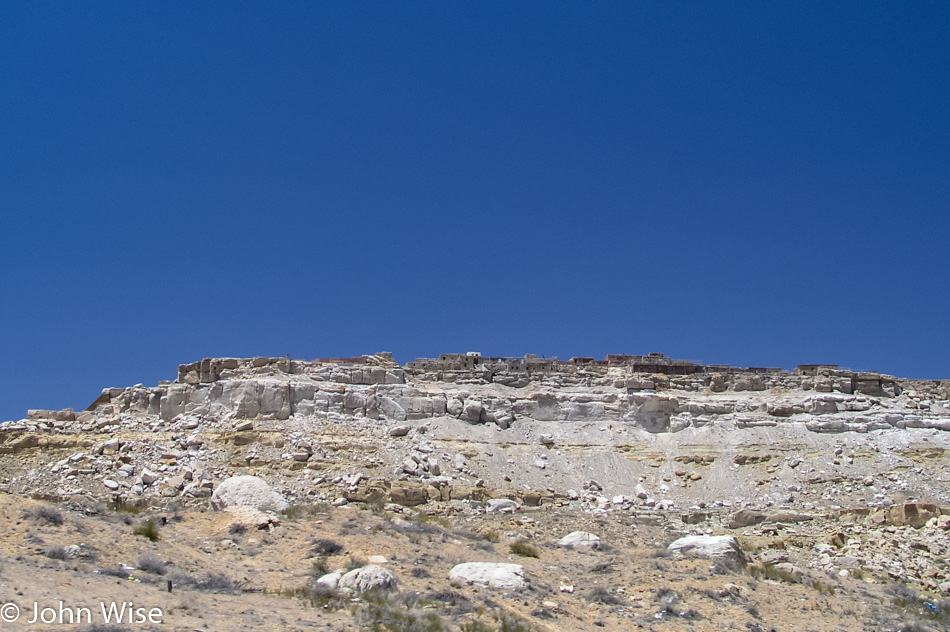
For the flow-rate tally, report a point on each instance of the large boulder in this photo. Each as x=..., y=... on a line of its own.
x=327, y=584
x=247, y=490
x=370, y=577
x=488, y=575
x=580, y=540
x=471, y=411
x=721, y=548
x=501, y=505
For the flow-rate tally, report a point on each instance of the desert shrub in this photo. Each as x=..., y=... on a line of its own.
x=901, y=595
x=511, y=623
x=377, y=504
x=115, y=571
x=667, y=597
x=354, y=562
x=55, y=553
x=768, y=571
x=823, y=587
x=149, y=529
x=150, y=564
x=324, y=546
x=419, y=572
x=909, y=605
x=378, y=615
x=492, y=536
x=295, y=512
x=319, y=568
x=468, y=535
x=602, y=595
x=323, y=597
x=44, y=515
x=237, y=529
x=605, y=567
x=456, y=603
x=439, y=520
x=524, y=549
x=219, y=583
x=413, y=530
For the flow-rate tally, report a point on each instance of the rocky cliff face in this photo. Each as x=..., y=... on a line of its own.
x=595, y=434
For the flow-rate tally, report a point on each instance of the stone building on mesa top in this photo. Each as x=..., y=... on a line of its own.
x=531, y=363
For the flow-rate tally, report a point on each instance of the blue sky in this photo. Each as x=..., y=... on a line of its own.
x=748, y=183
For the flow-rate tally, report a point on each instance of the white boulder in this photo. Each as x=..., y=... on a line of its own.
x=488, y=575
x=724, y=548
x=580, y=540
x=369, y=577
x=501, y=505
x=247, y=490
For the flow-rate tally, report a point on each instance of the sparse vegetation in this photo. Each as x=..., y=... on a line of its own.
x=150, y=564
x=910, y=606
x=44, y=515
x=115, y=571
x=319, y=568
x=492, y=536
x=325, y=546
x=770, y=572
x=354, y=562
x=603, y=595
x=149, y=530
x=822, y=587
x=55, y=553
x=217, y=583
x=510, y=623
x=297, y=512
x=378, y=615
x=429, y=519
x=524, y=549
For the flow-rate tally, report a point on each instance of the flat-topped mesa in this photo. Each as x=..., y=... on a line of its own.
x=651, y=391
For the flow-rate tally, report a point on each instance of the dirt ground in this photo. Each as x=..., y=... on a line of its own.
x=67, y=556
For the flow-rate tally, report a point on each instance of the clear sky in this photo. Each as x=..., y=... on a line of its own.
x=753, y=183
